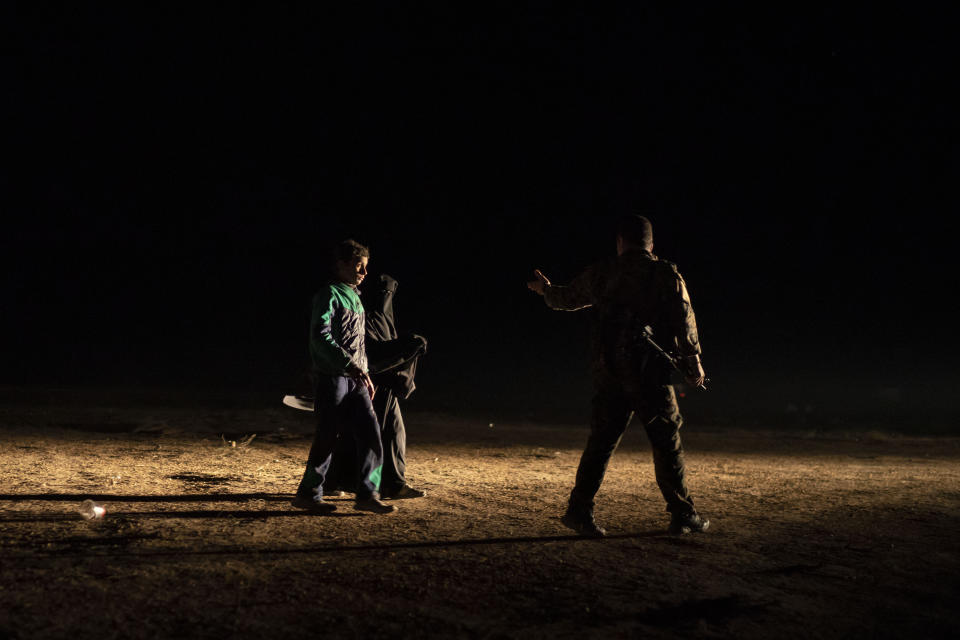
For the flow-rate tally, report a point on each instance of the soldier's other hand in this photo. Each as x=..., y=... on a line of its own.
x=368, y=383
x=540, y=284
x=695, y=374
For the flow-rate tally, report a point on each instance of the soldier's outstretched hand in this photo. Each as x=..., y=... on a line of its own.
x=540, y=284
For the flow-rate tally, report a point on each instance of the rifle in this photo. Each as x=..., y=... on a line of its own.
x=674, y=361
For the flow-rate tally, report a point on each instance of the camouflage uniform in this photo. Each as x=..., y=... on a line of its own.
x=629, y=292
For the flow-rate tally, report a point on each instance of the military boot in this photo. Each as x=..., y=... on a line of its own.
x=581, y=521
x=690, y=522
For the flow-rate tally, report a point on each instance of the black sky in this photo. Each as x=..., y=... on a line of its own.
x=174, y=175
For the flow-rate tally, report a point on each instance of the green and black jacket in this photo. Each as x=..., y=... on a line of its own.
x=337, y=330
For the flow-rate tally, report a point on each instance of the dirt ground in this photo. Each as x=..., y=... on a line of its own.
x=813, y=535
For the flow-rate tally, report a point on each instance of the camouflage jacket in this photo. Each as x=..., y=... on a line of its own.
x=629, y=292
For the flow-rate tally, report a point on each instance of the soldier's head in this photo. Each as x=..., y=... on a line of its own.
x=350, y=262
x=634, y=232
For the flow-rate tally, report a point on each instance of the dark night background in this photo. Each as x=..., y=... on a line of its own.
x=174, y=175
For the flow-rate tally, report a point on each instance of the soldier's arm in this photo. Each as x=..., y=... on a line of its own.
x=579, y=294
x=684, y=324
x=688, y=339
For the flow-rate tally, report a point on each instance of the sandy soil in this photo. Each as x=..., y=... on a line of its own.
x=846, y=535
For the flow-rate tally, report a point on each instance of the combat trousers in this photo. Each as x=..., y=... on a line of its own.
x=343, y=410
x=614, y=404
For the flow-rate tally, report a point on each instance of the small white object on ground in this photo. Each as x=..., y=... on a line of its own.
x=90, y=510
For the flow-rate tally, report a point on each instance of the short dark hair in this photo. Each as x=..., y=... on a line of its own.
x=348, y=250
x=636, y=230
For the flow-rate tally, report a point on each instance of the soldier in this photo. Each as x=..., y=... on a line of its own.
x=630, y=292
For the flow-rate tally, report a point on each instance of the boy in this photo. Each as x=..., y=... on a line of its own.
x=342, y=389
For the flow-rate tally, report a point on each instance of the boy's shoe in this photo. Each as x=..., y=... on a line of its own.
x=316, y=506
x=583, y=523
x=373, y=505
x=405, y=492
x=687, y=523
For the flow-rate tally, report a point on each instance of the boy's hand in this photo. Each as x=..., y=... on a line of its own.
x=354, y=371
x=362, y=377
x=368, y=383
x=540, y=284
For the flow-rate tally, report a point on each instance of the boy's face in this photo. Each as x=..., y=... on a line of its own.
x=352, y=271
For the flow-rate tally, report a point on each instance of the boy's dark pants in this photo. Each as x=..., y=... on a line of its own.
x=344, y=410
x=395, y=383
x=341, y=474
x=614, y=404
